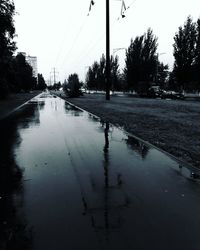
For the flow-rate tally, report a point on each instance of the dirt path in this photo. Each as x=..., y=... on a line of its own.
x=172, y=125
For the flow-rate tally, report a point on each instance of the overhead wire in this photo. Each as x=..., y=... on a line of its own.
x=99, y=39
x=74, y=41
x=62, y=44
x=124, y=9
x=90, y=8
x=78, y=34
x=82, y=56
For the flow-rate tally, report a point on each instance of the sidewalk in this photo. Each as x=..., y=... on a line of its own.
x=116, y=191
x=8, y=105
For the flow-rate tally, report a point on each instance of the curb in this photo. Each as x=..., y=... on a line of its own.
x=179, y=161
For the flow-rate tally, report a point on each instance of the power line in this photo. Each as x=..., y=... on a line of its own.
x=97, y=41
x=90, y=8
x=83, y=55
x=90, y=48
x=131, y=4
x=78, y=33
x=74, y=42
x=61, y=48
x=75, y=39
x=124, y=9
x=62, y=43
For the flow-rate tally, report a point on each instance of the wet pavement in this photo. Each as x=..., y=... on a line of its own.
x=81, y=183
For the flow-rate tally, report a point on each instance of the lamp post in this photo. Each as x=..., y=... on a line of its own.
x=114, y=51
x=117, y=49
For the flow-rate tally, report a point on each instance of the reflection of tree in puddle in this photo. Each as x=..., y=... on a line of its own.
x=40, y=104
x=28, y=116
x=14, y=231
x=137, y=146
x=72, y=110
x=106, y=147
x=106, y=217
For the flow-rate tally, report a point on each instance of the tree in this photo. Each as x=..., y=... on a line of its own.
x=91, y=76
x=172, y=83
x=121, y=82
x=197, y=56
x=23, y=74
x=7, y=46
x=72, y=89
x=101, y=77
x=95, y=77
x=41, y=82
x=133, y=62
x=115, y=74
x=162, y=74
x=184, y=53
x=141, y=60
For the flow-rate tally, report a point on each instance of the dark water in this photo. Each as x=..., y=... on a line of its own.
x=84, y=184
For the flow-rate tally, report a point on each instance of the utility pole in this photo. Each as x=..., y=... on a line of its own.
x=50, y=79
x=54, y=73
x=107, y=50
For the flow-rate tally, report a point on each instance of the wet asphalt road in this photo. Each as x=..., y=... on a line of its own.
x=88, y=185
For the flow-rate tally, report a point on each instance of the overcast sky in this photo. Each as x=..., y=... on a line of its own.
x=61, y=34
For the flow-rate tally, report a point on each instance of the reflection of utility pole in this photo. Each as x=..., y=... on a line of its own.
x=54, y=73
x=107, y=50
x=106, y=155
x=106, y=217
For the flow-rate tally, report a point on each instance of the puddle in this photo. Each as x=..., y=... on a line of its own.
x=88, y=185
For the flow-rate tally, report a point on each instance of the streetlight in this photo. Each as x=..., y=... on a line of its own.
x=117, y=49
x=114, y=51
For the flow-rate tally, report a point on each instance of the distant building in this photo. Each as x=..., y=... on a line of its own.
x=23, y=53
x=32, y=61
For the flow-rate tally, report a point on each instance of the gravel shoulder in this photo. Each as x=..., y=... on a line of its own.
x=171, y=125
x=13, y=101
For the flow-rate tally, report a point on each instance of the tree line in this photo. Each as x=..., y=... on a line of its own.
x=143, y=68
x=16, y=74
